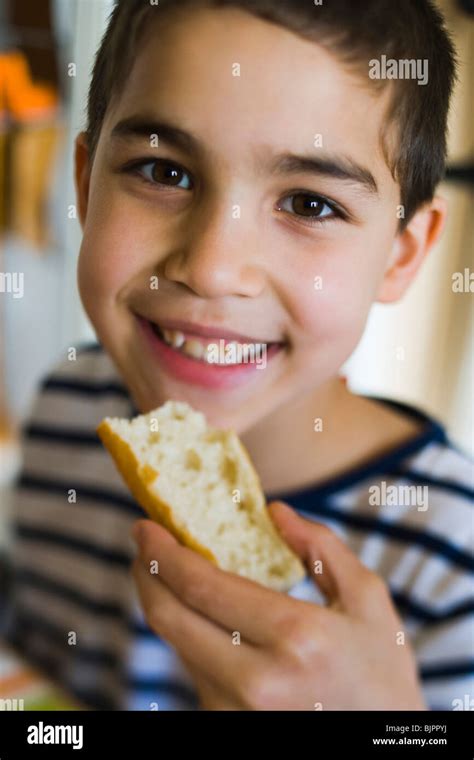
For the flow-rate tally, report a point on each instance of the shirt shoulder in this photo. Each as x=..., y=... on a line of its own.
x=87, y=368
x=60, y=445
x=445, y=465
x=434, y=491
x=79, y=391
x=71, y=545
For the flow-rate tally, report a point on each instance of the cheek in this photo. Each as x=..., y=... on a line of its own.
x=335, y=290
x=109, y=258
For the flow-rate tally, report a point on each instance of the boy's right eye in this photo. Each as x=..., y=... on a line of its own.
x=161, y=172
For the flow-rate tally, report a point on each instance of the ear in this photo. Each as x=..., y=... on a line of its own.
x=410, y=248
x=82, y=171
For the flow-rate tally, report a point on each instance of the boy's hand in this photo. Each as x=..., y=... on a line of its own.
x=293, y=655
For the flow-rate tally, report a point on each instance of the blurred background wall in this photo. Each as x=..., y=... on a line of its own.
x=419, y=351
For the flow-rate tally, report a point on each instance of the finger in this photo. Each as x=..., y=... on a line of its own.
x=211, y=696
x=227, y=599
x=334, y=568
x=202, y=645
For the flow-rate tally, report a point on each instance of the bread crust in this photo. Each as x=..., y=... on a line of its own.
x=138, y=477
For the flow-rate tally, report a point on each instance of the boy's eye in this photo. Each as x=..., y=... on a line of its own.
x=161, y=172
x=313, y=207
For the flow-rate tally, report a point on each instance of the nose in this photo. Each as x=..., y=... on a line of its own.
x=218, y=257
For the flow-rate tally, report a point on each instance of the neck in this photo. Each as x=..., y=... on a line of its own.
x=294, y=446
x=290, y=451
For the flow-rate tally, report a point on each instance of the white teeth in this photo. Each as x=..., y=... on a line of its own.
x=231, y=348
x=178, y=339
x=198, y=350
x=174, y=338
x=194, y=348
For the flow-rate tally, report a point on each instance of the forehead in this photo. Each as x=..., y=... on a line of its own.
x=240, y=82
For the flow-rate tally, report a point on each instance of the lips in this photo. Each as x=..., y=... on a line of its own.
x=210, y=357
x=205, y=349
x=197, y=330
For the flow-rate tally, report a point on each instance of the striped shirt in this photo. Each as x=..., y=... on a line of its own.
x=73, y=608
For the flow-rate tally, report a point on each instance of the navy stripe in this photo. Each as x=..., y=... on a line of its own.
x=456, y=668
x=68, y=436
x=426, y=480
x=64, y=541
x=432, y=433
x=360, y=523
x=90, y=348
x=104, y=497
x=26, y=624
x=394, y=531
x=85, y=387
x=140, y=629
x=40, y=582
x=50, y=665
x=428, y=615
x=406, y=605
x=32, y=623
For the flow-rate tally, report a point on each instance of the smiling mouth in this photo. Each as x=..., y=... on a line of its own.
x=216, y=351
x=214, y=358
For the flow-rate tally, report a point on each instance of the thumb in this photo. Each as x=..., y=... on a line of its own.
x=333, y=567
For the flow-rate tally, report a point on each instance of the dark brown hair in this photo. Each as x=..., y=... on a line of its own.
x=357, y=31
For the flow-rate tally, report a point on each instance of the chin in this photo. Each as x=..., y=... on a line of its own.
x=220, y=411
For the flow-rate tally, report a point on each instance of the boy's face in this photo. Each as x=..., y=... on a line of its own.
x=235, y=243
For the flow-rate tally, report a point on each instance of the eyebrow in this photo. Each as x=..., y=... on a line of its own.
x=336, y=167
x=324, y=165
x=136, y=127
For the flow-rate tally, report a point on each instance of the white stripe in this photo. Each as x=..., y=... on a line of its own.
x=64, y=615
x=104, y=527
x=78, y=411
x=443, y=693
x=444, y=643
x=99, y=582
x=89, y=466
x=444, y=463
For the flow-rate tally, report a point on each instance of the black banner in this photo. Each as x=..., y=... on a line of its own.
x=369, y=734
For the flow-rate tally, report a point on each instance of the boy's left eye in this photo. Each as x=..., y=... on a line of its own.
x=162, y=172
x=314, y=208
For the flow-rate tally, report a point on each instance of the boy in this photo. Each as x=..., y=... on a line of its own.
x=243, y=178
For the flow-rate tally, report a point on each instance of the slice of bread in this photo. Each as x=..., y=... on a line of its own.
x=200, y=484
